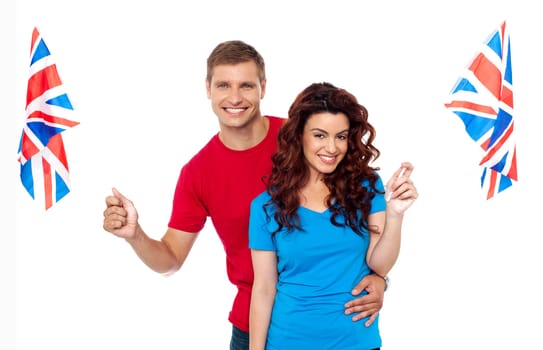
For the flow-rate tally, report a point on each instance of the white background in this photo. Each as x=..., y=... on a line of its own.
x=469, y=272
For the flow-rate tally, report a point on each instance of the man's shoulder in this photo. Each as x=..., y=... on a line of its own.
x=276, y=120
x=205, y=154
x=275, y=124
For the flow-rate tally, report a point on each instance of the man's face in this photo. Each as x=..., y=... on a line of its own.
x=235, y=92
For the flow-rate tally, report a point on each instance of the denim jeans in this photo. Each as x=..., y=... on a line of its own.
x=239, y=340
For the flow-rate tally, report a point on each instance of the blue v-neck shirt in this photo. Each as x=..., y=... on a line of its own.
x=317, y=270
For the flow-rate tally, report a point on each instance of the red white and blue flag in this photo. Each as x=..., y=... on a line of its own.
x=483, y=99
x=49, y=112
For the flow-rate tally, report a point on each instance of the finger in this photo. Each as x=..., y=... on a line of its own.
x=408, y=169
x=363, y=303
x=124, y=201
x=395, y=176
x=113, y=224
x=113, y=201
x=407, y=191
x=118, y=194
x=395, y=181
x=363, y=312
x=359, y=316
x=371, y=320
x=115, y=217
x=402, y=185
x=362, y=285
x=115, y=211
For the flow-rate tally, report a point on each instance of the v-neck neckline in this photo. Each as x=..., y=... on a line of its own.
x=315, y=211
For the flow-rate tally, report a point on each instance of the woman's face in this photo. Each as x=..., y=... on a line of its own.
x=325, y=142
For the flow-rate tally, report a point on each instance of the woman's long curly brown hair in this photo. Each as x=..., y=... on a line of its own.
x=347, y=198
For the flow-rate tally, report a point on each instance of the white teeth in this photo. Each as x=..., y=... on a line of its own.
x=235, y=110
x=329, y=159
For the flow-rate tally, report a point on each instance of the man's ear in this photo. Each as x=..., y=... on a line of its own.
x=262, y=89
x=208, y=89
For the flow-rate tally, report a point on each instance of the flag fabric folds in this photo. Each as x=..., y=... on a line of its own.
x=483, y=99
x=44, y=165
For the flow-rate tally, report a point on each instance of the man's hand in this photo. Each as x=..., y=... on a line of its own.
x=369, y=304
x=120, y=216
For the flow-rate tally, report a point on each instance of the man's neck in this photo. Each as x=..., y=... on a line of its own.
x=248, y=136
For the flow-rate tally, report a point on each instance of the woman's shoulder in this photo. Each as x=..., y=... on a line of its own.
x=262, y=198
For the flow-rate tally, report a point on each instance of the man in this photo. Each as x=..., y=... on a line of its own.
x=219, y=182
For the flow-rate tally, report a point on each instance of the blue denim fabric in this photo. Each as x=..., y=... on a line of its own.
x=239, y=340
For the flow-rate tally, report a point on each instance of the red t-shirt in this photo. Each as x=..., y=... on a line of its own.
x=220, y=183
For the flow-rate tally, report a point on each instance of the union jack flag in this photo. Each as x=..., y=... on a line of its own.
x=49, y=112
x=483, y=99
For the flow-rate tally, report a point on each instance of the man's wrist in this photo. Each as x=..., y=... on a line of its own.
x=385, y=278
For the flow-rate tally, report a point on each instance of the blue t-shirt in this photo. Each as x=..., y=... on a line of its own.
x=317, y=270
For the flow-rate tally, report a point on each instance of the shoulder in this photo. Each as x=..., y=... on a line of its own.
x=201, y=164
x=261, y=199
x=378, y=202
x=378, y=183
x=276, y=122
x=258, y=206
x=209, y=151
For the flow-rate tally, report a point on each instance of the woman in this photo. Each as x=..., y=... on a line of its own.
x=322, y=224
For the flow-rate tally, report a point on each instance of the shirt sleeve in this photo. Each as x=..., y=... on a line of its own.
x=260, y=231
x=188, y=213
x=378, y=203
